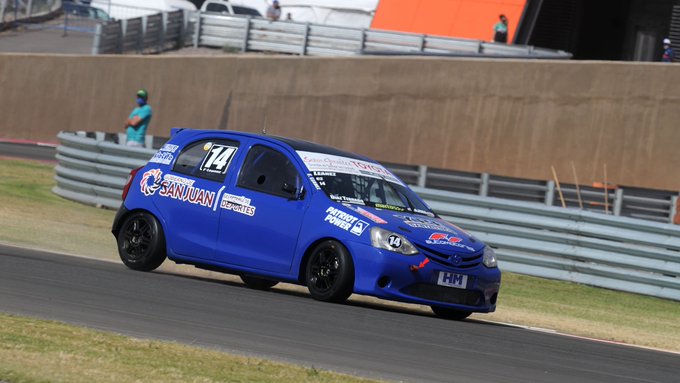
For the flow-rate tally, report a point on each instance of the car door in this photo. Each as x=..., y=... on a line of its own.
x=188, y=196
x=262, y=213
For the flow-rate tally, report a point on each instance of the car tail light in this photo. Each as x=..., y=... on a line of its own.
x=131, y=177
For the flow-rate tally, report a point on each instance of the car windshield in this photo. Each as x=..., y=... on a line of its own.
x=360, y=182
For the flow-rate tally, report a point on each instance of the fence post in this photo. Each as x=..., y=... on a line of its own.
x=674, y=209
x=422, y=176
x=142, y=37
x=29, y=8
x=96, y=44
x=422, y=43
x=618, y=201
x=246, y=35
x=164, y=31
x=363, y=39
x=305, y=41
x=484, y=185
x=549, y=193
x=197, y=30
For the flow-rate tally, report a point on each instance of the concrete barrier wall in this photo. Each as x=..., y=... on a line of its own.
x=513, y=118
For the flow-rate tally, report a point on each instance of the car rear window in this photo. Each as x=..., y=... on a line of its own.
x=207, y=159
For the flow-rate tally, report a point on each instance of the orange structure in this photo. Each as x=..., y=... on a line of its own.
x=473, y=19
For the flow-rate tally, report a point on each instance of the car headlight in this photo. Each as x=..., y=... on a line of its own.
x=489, y=258
x=385, y=239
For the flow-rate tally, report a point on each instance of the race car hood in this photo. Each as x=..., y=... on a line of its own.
x=421, y=230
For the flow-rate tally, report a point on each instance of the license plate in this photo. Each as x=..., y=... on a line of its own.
x=458, y=281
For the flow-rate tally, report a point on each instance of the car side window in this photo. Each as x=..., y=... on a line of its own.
x=269, y=171
x=207, y=159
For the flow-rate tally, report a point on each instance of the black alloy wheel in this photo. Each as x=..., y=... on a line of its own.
x=330, y=272
x=141, y=242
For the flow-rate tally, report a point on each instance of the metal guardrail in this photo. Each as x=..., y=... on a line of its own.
x=255, y=34
x=146, y=34
x=647, y=204
x=586, y=247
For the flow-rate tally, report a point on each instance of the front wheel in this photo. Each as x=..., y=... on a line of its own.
x=258, y=283
x=141, y=242
x=448, y=313
x=330, y=272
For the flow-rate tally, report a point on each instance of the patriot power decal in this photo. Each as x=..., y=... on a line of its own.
x=345, y=221
x=238, y=204
x=175, y=187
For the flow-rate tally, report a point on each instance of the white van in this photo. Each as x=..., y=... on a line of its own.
x=226, y=7
x=129, y=9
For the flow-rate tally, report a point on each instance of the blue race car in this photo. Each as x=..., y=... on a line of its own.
x=273, y=209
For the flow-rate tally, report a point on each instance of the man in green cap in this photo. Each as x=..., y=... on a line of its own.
x=139, y=120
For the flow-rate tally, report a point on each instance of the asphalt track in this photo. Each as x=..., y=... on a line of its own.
x=357, y=338
x=28, y=150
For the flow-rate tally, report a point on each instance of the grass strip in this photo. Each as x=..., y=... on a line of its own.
x=36, y=351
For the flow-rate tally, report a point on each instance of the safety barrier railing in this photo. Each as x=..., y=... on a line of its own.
x=146, y=34
x=256, y=34
x=618, y=253
x=614, y=252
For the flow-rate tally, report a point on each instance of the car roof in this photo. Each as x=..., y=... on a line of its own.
x=294, y=143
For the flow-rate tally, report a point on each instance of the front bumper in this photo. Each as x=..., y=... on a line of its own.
x=393, y=276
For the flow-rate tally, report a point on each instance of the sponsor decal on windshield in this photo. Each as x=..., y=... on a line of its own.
x=345, y=221
x=238, y=204
x=366, y=214
x=175, y=187
x=446, y=239
x=342, y=198
x=389, y=207
x=424, y=223
x=328, y=163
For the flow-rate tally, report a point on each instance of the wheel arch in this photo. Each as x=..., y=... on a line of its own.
x=122, y=215
x=302, y=266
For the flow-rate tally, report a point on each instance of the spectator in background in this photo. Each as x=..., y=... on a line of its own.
x=274, y=11
x=500, y=30
x=138, y=121
x=668, y=53
x=289, y=17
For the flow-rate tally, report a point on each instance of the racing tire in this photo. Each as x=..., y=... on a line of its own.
x=330, y=272
x=141, y=242
x=448, y=313
x=257, y=283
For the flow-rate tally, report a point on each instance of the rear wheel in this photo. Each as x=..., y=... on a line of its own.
x=258, y=283
x=141, y=242
x=448, y=313
x=330, y=272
